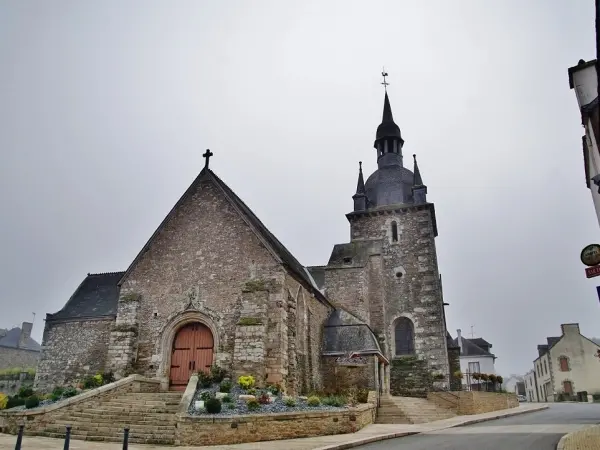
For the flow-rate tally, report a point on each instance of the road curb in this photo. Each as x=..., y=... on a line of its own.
x=384, y=437
x=561, y=443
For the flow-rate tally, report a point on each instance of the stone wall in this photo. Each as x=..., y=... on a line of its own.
x=400, y=278
x=466, y=403
x=10, y=385
x=72, y=350
x=454, y=362
x=199, y=431
x=39, y=419
x=409, y=377
x=18, y=357
x=338, y=378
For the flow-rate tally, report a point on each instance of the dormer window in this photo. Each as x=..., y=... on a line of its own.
x=394, y=232
x=347, y=260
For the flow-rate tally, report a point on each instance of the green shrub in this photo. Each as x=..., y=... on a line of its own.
x=204, y=380
x=58, y=391
x=335, y=400
x=231, y=405
x=227, y=399
x=70, y=392
x=362, y=395
x=313, y=401
x=253, y=405
x=25, y=392
x=205, y=396
x=246, y=381
x=98, y=379
x=251, y=391
x=596, y=397
x=15, y=401
x=90, y=382
x=225, y=387
x=213, y=405
x=217, y=374
x=32, y=402
x=3, y=400
x=108, y=377
x=290, y=402
x=54, y=397
x=274, y=389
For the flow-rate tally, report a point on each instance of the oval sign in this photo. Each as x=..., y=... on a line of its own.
x=590, y=255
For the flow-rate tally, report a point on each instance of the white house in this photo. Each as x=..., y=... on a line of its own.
x=567, y=364
x=514, y=383
x=531, y=390
x=583, y=79
x=475, y=357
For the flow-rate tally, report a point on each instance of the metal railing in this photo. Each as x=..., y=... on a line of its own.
x=68, y=438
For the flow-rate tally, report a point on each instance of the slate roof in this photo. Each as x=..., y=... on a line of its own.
x=96, y=296
x=288, y=260
x=11, y=340
x=318, y=274
x=470, y=347
x=480, y=342
x=344, y=332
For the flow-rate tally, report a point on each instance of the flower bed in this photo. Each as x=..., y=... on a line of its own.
x=228, y=399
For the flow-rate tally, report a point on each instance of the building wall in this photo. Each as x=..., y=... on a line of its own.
x=71, y=351
x=207, y=263
x=584, y=366
x=531, y=388
x=486, y=364
x=544, y=377
x=18, y=357
x=405, y=278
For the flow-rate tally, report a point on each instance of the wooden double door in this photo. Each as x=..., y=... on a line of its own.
x=193, y=348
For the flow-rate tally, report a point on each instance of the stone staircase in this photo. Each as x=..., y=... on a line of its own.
x=150, y=417
x=410, y=410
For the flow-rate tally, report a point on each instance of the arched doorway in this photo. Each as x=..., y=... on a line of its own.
x=192, y=352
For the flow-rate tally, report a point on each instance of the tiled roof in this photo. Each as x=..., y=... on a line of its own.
x=96, y=296
x=11, y=340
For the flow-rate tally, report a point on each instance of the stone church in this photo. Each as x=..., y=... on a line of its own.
x=213, y=286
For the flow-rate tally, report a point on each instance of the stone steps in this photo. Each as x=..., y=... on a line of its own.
x=150, y=417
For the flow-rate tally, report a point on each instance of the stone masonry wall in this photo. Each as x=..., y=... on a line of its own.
x=306, y=318
x=454, y=361
x=346, y=287
x=473, y=402
x=198, y=431
x=72, y=350
x=18, y=357
x=411, y=286
x=338, y=378
x=200, y=260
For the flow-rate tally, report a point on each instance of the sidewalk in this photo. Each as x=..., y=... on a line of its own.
x=368, y=434
x=586, y=439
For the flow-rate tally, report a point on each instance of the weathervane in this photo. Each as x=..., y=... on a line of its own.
x=385, y=83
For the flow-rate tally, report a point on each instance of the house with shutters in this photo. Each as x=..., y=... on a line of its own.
x=567, y=364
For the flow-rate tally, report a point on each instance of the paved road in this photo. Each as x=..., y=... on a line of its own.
x=534, y=431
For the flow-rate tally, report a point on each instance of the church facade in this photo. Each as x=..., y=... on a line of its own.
x=213, y=286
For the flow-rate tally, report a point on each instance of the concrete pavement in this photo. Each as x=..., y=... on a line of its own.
x=537, y=431
x=367, y=435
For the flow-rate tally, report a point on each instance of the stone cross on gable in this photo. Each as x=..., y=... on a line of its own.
x=207, y=156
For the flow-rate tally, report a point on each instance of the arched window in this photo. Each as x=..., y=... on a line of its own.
x=404, y=337
x=563, y=363
x=394, y=232
x=567, y=387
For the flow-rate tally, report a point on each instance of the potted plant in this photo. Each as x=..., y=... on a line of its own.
x=458, y=375
x=477, y=376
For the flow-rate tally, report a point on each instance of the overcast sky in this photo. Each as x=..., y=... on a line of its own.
x=106, y=109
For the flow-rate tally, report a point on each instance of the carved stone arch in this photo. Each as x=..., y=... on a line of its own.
x=169, y=331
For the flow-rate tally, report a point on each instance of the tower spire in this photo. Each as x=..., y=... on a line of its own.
x=388, y=140
x=360, y=198
x=418, y=188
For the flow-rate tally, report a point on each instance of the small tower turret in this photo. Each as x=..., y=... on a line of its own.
x=418, y=188
x=360, y=198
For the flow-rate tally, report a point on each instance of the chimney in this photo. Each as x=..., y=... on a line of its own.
x=25, y=334
x=570, y=328
x=459, y=339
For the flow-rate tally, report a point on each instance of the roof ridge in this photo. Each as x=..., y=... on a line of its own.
x=119, y=272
